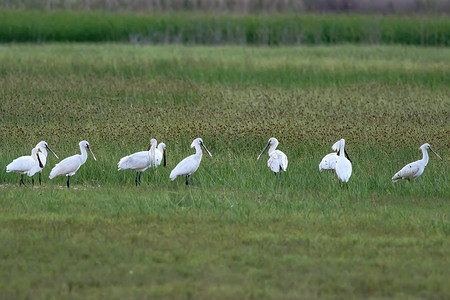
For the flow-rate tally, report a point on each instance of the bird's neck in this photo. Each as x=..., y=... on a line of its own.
x=198, y=151
x=83, y=154
x=33, y=155
x=44, y=151
x=341, y=149
x=151, y=155
x=425, y=156
x=272, y=148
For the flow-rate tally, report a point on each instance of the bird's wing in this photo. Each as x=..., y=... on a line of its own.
x=328, y=162
x=283, y=160
x=135, y=161
x=409, y=171
x=274, y=164
x=21, y=164
x=68, y=165
x=185, y=167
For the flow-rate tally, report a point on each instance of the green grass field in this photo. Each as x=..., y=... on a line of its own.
x=238, y=232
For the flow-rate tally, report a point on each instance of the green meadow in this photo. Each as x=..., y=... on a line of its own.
x=238, y=231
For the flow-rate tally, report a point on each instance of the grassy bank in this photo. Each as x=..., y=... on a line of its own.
x=221, y=244
x=308, y=29
x=238, y=232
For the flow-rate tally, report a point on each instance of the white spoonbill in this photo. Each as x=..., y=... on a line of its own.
x=277, y=160
x=141, y=161
x=190, y=164
x=415, y=169
x=23, y=164
x=42, y=146
x=329, y=161
x=343, y=165
x=70, y=165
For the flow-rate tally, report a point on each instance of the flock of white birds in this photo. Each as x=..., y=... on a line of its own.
x=338, y=161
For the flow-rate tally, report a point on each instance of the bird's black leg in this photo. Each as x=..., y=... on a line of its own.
x=140, y=178
x=68, y=178
x=40, y=178
x=137, y=178
x=275, y=173
x=187, y=179
x=32, y=180
x=21, y=180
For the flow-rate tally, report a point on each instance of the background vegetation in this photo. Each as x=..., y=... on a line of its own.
x=238, y=6
x=238, y=232
x=182, y=28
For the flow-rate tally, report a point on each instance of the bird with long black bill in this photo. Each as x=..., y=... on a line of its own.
x=191, y=163
x=70, y=165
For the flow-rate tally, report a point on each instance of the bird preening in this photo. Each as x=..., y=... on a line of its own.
x=24, y=164
x=329, y=161
x=42, y=154
x=338, y=161
x=141, y=161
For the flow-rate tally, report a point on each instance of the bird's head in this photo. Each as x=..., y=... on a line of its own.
x=273, y=141
x=86, y=145
x=427, y=146
x=162, y=146
x=199, y=142
x=43, y=145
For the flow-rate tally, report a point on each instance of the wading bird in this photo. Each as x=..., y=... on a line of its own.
x=70, y=165
x=277, y=160
x=25, y=163
x=329, y=161
x=141, y=161
x=42, y=146
x=343, y=165
x=190, y=164
x=415, y=169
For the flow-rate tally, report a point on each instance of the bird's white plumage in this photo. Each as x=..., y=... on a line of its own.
x=140, y=161
x=336, y=145
x=343, y=165
x=70, y=165
x=278, y=161
x=23, y=164
x=415, y=169
x=42, y=146
x=191, y=163
x=159, y=154
x=328, y=162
